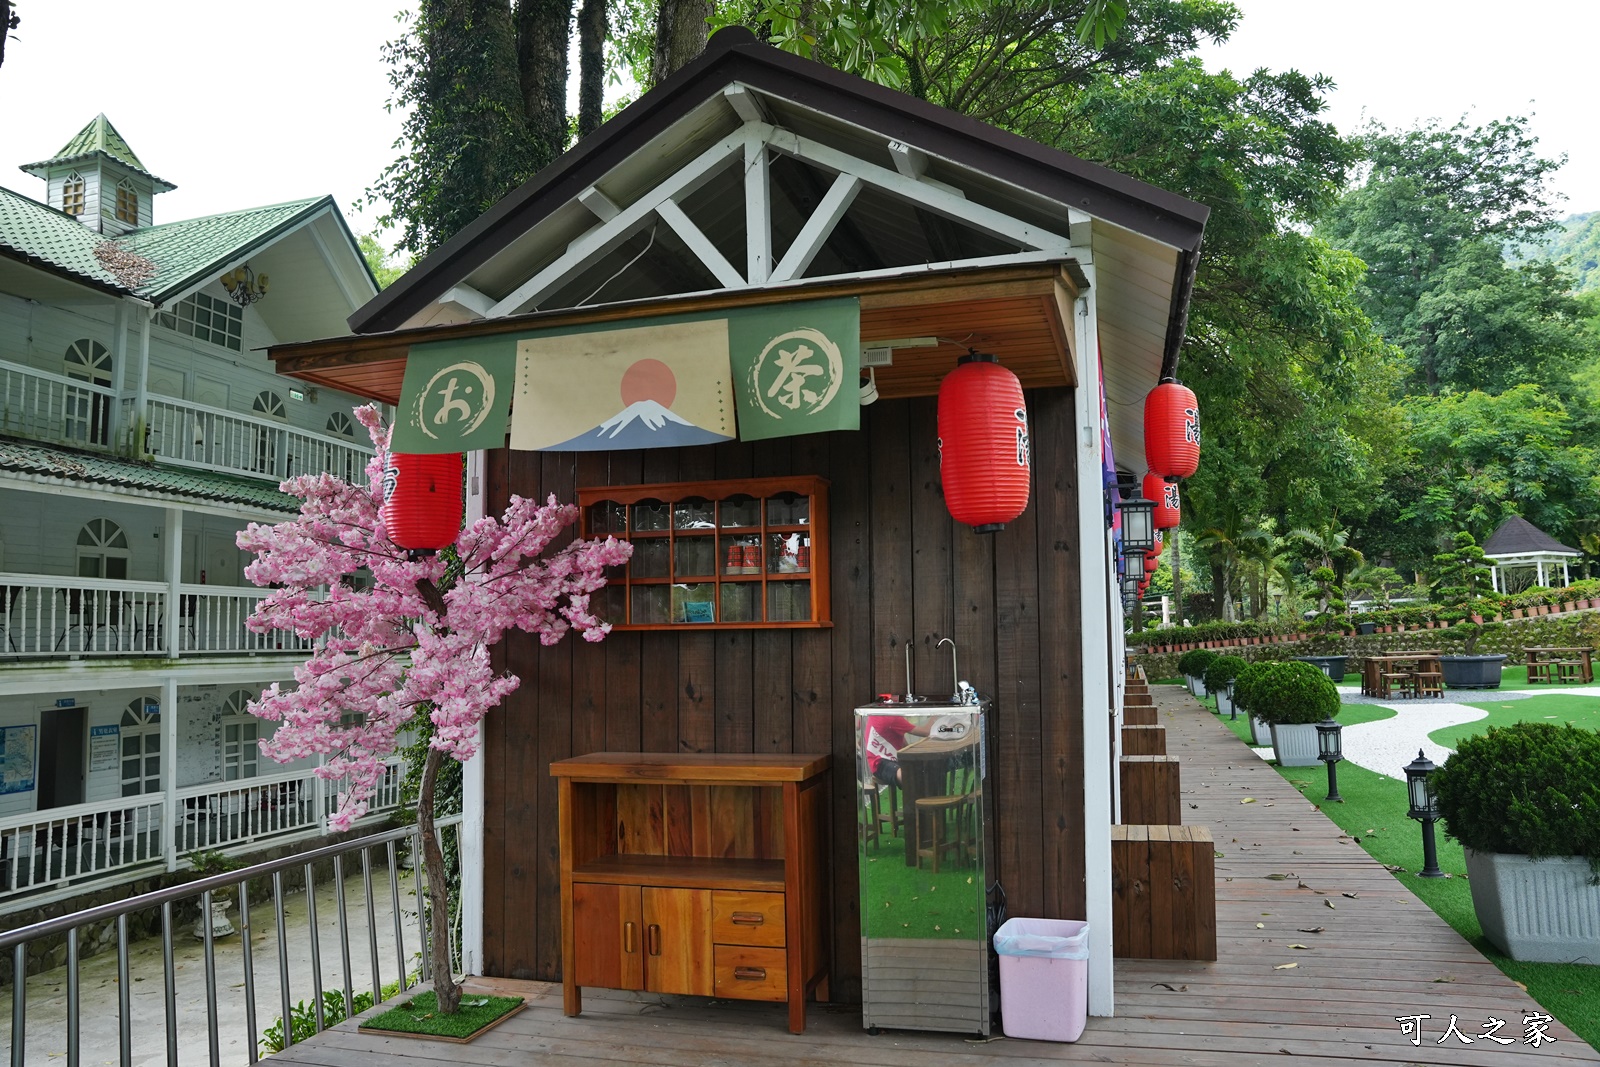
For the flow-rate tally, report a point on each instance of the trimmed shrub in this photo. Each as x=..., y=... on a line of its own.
x=1294, y=692
x=1223, y=670
x=1245, y=682
x=1532, y=788
x=1193, y=663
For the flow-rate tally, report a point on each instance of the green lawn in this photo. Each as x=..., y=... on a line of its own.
x=1374, y=814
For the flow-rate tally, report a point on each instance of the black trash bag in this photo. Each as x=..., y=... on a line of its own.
x=995, y=909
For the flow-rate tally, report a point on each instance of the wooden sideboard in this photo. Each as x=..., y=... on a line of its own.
x=698, y=874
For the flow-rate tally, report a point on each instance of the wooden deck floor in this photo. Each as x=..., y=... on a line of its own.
x=1380, y=954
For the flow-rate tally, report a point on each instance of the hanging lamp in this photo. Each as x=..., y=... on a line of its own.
x=1172, y=430
x=422, y=500
x=984, y=454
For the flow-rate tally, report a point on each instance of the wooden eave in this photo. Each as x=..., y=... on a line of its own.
x=1022, y=314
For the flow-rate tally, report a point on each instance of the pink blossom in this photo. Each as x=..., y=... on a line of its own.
x=383, y=651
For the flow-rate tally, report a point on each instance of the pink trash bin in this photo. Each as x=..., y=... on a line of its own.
x=1044, y=978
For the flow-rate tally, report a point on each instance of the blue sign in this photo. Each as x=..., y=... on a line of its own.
x=67, y=702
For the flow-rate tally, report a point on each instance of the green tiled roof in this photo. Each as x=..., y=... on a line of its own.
x=97, y=137
x=177, y=483
x=181, y=251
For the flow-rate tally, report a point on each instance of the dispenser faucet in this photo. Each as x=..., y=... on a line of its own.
x=965, y=694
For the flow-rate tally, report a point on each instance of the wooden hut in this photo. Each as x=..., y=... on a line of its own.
x=748, y=184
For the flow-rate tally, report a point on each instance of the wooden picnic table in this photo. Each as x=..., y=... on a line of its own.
x=1545, y=662
x=1378, y=673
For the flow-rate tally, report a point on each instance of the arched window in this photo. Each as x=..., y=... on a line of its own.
x=88, y=413
x=141, y=747
x=102, y=550
x=269, y=404
x=241, y=757
x=339, y=423
x=72, y=194
x=127, y=202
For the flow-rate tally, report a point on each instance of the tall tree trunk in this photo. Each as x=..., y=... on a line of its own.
x=445, y=986
x=1177, y=581
x=681, y=34
x=543, y=29
x=591, y=65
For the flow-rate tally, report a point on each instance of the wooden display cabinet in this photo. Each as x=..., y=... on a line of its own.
x=716, y=555
x=697, y=874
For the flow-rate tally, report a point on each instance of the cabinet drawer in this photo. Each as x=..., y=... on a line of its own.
x=751, y=973
x=747, y=918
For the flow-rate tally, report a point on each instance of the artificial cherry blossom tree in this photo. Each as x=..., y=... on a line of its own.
x=414, y=640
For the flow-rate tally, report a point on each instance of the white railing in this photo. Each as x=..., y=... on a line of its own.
x=54, y=408
x=194, y=435
x=46, y=615
x=62, y=845
x=212, y=619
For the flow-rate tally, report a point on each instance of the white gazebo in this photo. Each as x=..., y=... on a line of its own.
x=1519, y=543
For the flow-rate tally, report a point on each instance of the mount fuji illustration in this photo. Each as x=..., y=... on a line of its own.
x=642, y=424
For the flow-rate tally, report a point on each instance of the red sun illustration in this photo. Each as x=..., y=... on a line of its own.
x=649, y=379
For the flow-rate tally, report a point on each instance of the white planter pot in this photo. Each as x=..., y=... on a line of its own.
x=220, y=926
x=1225, y=701
x=1197, y=686
x=1296, y=745
x=1260, y=732
x=1540, y=910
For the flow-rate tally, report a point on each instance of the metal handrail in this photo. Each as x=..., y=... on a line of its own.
x=16, y=941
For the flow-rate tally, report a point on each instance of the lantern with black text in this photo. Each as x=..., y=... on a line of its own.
x=422, y=500
x=983, y=443
x=1165, y=495
x=1172, y=430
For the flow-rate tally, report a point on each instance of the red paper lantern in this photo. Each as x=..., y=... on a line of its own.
x=983, y=443
x=422, y=500
x=1165, y=495
x=1172, y=430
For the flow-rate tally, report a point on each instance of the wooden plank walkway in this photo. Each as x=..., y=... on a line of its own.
x=1380, y=954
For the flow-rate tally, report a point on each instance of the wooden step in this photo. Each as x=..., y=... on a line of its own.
x=1135, y=715
x=1151, y=790
x=1144, y=740
x=1164, y=893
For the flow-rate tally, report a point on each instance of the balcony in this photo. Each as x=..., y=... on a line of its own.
x=62, y=617
x=54, y=409
x=105, y=840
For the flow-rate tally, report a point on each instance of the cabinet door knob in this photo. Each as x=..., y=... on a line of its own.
x=748, y=918
x=653, y=935
x=627, y=937
x=750, y=974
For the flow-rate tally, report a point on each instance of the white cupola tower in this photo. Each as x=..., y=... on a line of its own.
x=97, y=178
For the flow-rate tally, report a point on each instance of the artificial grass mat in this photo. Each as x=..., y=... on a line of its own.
x=420, y=1015
x=1557, y=708
x=1374, y=815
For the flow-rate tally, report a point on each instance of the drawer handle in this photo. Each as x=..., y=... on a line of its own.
x=750, y=974
x=748, y=918
x=627, y=937
x=653, y=934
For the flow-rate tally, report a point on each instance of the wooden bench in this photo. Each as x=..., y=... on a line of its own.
x=1164, y=893
x=1139, y=715
x=1151, y=790
x=1144, y=740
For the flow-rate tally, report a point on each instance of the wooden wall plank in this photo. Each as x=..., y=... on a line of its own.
x=772, y=651
x=697, y=653
x=735, y=729
x=553, y=684
x=931, y=556
x=498, y=756
x=624, y=693
x=889, y=525
x=658, y=652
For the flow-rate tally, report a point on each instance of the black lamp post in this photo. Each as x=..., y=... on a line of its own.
x=1425, y=809
x=1330, y=750
x=1138, y=525
x=1132, y=565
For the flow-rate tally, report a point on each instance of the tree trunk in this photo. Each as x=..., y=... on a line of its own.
x=543, y=29
x=681, y=34
x=445, y=986
x=8, y=22
x=1177, y=581
x=591, y=65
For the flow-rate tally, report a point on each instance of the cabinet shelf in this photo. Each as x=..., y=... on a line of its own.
x=736, y=554
x=685, y=872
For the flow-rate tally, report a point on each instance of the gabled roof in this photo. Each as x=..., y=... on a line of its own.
x=60, y=466
x=1042, y=181
x=183, y=252
x=1519, y=537
x=97, y=138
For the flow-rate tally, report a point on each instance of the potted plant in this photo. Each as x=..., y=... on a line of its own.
x=1244, y=687
x=1219, y=678
x=1192, y=665
x=1293, y=697
x=204, y=863
x=1468, y=670
x=1524, y=801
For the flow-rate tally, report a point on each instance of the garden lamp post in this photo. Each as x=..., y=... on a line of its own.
x=1138, y=525
x=1330, y=750
x=1425, y=809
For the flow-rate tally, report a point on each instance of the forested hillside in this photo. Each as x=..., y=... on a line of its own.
x=1576, y=245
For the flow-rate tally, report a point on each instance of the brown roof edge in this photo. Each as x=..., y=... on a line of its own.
x=734, y=54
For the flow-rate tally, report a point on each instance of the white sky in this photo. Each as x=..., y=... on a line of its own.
x=244, y=104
